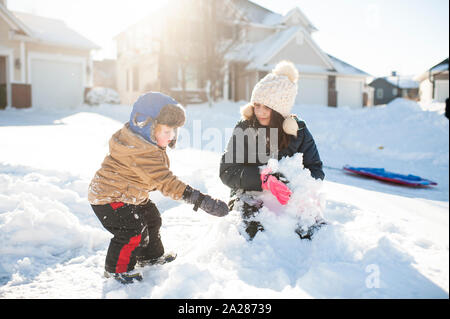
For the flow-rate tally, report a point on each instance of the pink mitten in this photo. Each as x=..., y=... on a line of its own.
x=276, y=187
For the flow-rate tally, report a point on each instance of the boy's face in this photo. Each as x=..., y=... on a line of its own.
x=164, y=135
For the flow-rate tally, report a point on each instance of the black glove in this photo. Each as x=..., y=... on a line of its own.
x=207, y=203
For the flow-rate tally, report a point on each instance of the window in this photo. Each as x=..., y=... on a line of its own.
x=135, y=79
x=191, y=78
x=380, y=93
x=128, y=80
x=394, y=91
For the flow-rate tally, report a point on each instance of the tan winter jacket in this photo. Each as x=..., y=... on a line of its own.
x=132, y=169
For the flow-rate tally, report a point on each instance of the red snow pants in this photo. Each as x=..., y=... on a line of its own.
x=136, y=234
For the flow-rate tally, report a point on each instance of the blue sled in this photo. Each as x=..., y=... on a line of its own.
x=382, y=174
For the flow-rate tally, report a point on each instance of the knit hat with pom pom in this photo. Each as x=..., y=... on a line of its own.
x=277, y=90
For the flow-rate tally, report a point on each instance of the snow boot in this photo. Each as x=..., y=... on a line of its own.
x=125, y=277
x=309, y=233
x=249, y=207
x=166, y=258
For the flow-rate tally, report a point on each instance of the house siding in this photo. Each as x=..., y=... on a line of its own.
x=299, y=54
x=380, y=84
x=10, y=44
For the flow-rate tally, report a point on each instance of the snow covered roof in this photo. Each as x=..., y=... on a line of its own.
x=53, y=31
x=257, y=14
x=14, y=23
x=260, y=15
x=438, y=68
x=402, y=82
x=442, y=66
x=345, y=68
x=257, y=54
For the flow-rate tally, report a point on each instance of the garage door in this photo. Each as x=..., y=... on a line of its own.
x=312, y=90
x=441, y=90
x=56, y=83
x=349, y=92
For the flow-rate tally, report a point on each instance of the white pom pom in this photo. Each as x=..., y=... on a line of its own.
x=288, y=69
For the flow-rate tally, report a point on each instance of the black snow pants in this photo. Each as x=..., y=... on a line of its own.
x=136, y=234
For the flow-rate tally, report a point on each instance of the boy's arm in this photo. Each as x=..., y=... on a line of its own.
x=153, y=170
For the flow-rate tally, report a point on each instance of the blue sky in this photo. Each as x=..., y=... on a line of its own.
x=377, y=36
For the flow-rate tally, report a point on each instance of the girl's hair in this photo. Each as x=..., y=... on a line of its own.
x=276, y=121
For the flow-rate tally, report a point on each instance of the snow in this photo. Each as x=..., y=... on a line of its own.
x=102, y=95
x=381, y=241
x=402, y=82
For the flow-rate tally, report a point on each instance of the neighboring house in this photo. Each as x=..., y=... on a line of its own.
x=271, y=37
x=434, y=83
x=138, y=59
x=42, y=61
x=264, y=38
x=390, y=87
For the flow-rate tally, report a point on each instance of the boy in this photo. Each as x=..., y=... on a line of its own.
x=137, y=164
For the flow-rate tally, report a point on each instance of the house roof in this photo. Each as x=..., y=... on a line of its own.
x=257, y=14
x=345, y=68
x=308, y=24
x=54, y=31
x=438, y=68
x=14, y=23
x=402, y=82
x=258, y=54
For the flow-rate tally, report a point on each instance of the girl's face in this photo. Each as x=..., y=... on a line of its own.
x=164, y=135
x=262, y=113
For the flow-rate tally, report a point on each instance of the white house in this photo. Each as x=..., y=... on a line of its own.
x=42, y=61
x=434, y=83
x=261, y=39
x=271, y=37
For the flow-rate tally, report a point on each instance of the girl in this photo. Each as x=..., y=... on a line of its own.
x=267, y=130
x=137, y=164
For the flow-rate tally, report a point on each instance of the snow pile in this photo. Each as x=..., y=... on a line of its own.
x=381, y=240
x=306, y=204
x=101, y=95
x=40, y=219
x=400, y=137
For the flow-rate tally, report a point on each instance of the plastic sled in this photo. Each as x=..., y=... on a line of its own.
x=382, y=174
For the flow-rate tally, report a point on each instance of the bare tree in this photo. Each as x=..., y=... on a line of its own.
x=222, y=34
x=197, y=36
x=181, y=46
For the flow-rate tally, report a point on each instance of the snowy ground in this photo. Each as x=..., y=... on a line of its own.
x=383, y=241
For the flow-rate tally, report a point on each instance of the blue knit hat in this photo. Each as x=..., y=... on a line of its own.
x=155, y=108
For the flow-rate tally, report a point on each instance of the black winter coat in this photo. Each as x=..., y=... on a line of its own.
x=244, y=173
